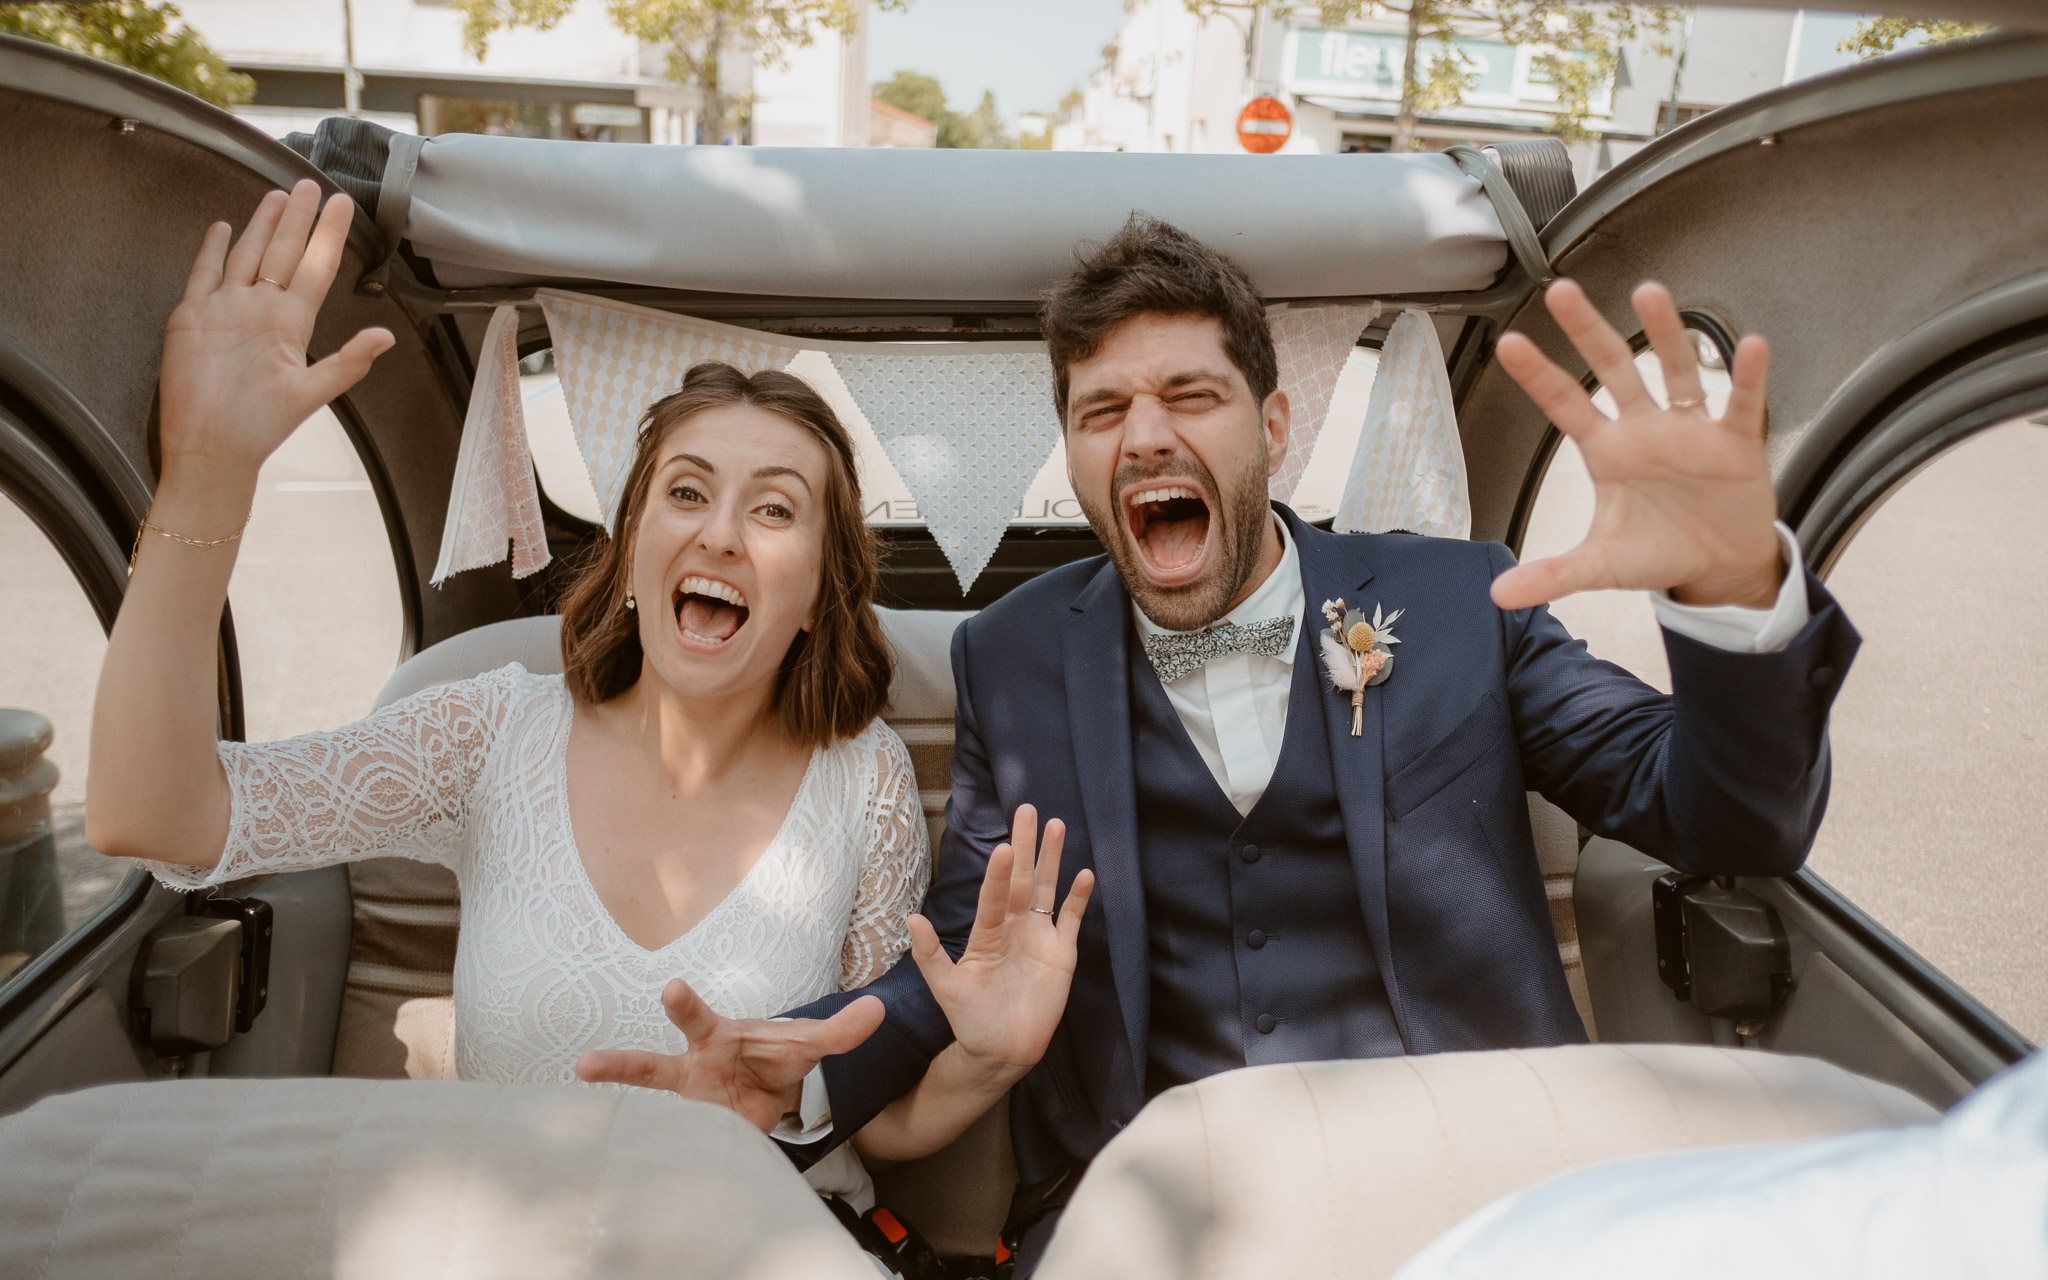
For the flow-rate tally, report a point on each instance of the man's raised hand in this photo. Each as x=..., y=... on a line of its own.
x=1682, y=500
x=751, y=1065
x=1005, y=995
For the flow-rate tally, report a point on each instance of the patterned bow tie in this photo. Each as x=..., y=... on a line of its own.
x=1176, y=653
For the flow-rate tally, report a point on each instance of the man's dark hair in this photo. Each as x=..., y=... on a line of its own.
x=1150, y=266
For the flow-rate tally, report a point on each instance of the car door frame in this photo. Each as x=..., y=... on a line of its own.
x=1971, y=358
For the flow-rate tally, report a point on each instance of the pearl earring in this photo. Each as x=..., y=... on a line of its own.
x=629, y=601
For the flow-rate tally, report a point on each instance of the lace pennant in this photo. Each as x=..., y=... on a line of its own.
x=968, y=429
x=493, y=499
x=1409, y=470
x=1312, y=344
x=615, y=359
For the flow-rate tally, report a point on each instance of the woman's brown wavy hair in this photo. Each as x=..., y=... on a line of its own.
x=835, y=677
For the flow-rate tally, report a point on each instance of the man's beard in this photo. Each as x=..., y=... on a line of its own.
x=1239, y=541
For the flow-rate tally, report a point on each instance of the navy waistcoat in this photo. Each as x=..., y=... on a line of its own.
x=1257, y=945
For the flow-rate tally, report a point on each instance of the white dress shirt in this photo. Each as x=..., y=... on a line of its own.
x=1235, y=707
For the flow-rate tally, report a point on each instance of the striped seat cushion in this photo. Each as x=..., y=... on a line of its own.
x=397, y=1012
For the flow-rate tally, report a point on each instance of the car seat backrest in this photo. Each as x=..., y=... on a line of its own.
x=1348, y=1168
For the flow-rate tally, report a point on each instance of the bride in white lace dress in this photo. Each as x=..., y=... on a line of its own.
x=700, y=824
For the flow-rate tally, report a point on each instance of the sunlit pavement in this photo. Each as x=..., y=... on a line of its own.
x=317, y=621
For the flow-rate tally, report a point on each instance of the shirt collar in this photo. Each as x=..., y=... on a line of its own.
x=1280, y=594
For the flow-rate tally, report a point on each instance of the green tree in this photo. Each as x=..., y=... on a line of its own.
x=988, y=123
x=694, y=35
x=915, y=92
x=1577, y=47
x=1876, y=37
x=922, y=96
x=147, y=37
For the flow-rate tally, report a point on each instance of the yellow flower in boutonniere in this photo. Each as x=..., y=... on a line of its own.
x=1359, y=653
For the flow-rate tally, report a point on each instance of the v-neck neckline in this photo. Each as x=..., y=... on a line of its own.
x=568, y=831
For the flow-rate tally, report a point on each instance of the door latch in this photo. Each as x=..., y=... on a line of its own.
x=204, y=977
x=1721, y=948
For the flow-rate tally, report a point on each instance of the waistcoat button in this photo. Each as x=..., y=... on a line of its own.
x=1265, y=1024
x=1255, y=939
x=1250, y=854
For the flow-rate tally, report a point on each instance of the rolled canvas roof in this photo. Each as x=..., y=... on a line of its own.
x=940, y=225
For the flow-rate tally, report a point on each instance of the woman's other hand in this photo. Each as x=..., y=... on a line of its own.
x=750, y=1065
x=235, y=381
x=1006, y=993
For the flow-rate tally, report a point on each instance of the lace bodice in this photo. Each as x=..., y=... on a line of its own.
x=473, y=776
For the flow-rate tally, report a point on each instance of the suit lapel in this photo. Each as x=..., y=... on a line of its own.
x=1332, y=569
x=1099, y=712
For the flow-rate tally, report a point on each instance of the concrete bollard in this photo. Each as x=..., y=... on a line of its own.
x=31, y=894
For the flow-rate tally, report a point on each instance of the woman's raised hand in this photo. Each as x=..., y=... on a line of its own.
x=1005, y=994
x=235, y=381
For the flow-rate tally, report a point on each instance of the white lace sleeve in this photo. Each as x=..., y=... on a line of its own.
x=895, y=870
x=394, y=784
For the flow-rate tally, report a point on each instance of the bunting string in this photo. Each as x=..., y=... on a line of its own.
x=968, y=426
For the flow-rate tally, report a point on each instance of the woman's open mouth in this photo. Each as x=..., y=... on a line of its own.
x=708, y=611
x=1169, y=526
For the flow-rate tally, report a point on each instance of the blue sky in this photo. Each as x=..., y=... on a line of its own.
x=1028, y=51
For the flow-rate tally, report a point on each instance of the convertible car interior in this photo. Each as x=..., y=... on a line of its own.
x=261, y=1082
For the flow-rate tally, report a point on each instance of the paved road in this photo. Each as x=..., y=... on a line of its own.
x=315, y=602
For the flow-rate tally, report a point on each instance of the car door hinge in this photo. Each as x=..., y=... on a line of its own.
x=258, y=923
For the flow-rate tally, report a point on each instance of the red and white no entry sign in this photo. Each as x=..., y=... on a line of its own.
x=1264, y=126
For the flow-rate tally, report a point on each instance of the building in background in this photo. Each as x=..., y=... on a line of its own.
x=583, y=79
x=818, y=97
x=1175, y=81
x=892, y=126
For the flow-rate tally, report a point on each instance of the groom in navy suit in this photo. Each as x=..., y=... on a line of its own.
x=1273, y=884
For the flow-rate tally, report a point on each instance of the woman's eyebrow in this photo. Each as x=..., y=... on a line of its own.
x=763, y=473
x=702, y=464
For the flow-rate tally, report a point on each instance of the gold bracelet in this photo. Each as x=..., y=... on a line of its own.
x=202, y=543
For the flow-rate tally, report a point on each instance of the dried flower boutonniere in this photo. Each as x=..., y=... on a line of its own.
x=1358, y=652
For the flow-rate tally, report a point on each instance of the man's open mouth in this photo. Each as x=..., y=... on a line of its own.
x=1169, y=525
x=709, y=611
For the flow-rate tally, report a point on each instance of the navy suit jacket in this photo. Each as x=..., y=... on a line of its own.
x=1728, y=775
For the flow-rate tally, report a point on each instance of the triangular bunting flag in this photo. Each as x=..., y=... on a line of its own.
x=1312, y=344
x=968, y=429
x=493, y=499
x=615, y=359
x=1409, y=470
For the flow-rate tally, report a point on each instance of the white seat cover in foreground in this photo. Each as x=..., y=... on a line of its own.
x=420, y=1179
x=1349, y=1168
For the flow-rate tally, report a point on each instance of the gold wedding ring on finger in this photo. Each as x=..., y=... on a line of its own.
x=1044, y=911
x=1698, y=402
x=267, y=280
